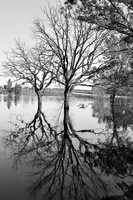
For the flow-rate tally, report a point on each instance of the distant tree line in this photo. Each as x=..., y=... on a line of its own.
x=12, y=89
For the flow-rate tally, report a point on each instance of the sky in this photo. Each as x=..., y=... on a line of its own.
x=16, y=22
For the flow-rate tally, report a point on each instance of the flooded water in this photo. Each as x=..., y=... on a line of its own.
x=85, y=114
x=13, y=108
x=26, y=106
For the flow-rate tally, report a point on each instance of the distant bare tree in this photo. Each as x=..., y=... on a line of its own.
x=30, y=65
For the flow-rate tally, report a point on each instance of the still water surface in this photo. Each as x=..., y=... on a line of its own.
x=85, y=114
x=13, y=108
x=26, y=106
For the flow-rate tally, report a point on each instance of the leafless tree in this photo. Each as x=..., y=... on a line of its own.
x=76, y=49
x=30, y=65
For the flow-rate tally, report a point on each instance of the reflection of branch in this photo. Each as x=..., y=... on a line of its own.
x=64, y=165
x=67, y=175
x=59, y=168
x=111, y=159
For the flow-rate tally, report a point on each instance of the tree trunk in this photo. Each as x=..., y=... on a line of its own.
x=39, y=98
x=112, y=98
x=66, y=111
x=115, y=134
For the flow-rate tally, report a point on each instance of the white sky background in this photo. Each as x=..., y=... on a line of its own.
x=16, y=22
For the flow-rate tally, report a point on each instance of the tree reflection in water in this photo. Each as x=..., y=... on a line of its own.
x=66, y=166
x=115, y=156
x=60, y=163
x=117, y=117
x=10, y=98
x=16, y=99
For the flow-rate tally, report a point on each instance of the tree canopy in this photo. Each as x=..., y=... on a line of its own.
x=74, y=44
x=116, y=15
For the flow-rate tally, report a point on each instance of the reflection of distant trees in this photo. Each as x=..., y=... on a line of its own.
x=26, y=98
x=123, y=111
x=11, y=98
x=115, y=154
x=17, y=99
x=101, y=110
x=8, y=99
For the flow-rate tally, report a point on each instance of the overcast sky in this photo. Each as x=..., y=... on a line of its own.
x=16, y=22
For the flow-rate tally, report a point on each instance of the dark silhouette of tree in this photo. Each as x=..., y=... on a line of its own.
x=75, y=47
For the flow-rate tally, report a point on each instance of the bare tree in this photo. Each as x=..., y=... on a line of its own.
x=76, y=49
x=30, y=65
